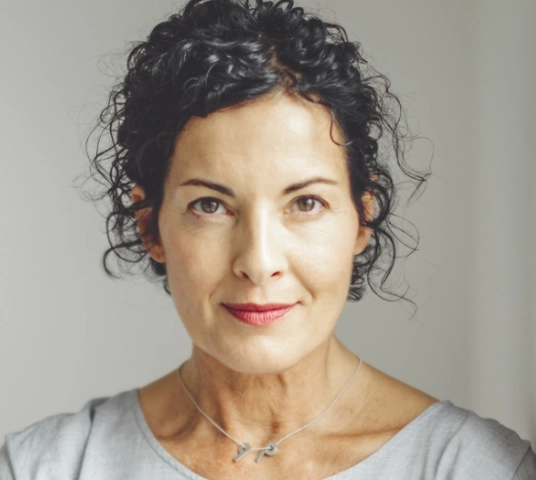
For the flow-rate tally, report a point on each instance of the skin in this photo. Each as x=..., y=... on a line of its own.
x=263, y=245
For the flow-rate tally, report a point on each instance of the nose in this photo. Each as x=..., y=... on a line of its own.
x=259, y=248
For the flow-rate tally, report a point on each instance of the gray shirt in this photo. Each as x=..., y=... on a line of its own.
x=110, y=439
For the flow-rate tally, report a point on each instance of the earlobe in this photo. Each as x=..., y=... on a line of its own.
x=362, y=240
x=364, y=233
x=143, y=217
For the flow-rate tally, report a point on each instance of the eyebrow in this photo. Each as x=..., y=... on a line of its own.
x=227, y=191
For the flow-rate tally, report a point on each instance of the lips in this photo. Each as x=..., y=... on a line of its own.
x=259, y=315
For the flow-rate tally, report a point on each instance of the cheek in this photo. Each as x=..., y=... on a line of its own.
x=194, y=268
x=326, y=258
x=193, y=263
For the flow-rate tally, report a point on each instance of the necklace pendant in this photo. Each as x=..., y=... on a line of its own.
x=270, y=450
x=243, y=450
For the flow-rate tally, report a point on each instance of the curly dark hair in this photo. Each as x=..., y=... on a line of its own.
x=218, y=53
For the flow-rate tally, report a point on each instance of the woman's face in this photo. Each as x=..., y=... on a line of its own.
x=279, y=226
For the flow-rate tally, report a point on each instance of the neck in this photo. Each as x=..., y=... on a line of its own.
x=257, y=408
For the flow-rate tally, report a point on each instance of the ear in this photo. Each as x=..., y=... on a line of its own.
x=143, y=217
x=363, y=234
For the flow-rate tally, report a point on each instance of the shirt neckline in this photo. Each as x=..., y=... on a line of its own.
x=354, y=469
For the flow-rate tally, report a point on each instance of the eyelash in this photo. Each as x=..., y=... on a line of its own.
x=306, y=214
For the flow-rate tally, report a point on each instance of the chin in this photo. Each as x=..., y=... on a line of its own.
x=261, y=359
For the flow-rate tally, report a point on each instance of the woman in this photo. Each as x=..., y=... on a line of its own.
x=246, y=166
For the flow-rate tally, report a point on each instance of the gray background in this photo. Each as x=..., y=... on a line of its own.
x=465, y=70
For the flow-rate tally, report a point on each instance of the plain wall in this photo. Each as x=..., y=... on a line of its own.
x=464, y=69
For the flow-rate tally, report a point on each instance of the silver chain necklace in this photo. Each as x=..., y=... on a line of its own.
x=271, y=448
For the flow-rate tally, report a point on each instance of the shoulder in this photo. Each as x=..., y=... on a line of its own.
x=437, y=439
x=55, y=443
x=471, y=446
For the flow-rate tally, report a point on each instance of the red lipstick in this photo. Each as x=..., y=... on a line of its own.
x=259, y=315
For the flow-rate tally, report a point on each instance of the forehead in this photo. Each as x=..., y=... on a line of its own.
x=273, y=135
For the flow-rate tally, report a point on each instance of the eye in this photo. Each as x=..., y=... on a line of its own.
x=209, y=206
x=307, y=204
